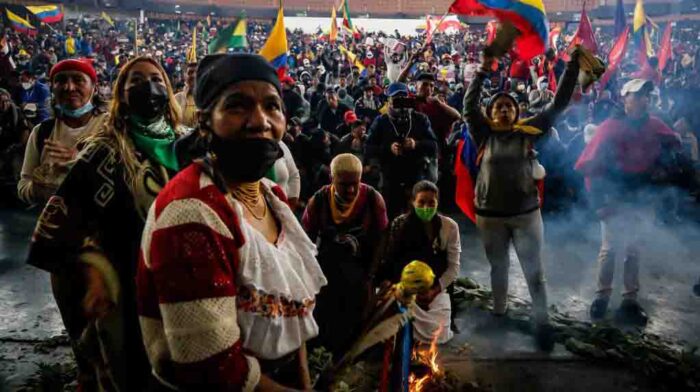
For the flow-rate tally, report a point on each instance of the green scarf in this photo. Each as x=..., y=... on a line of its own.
x=156, y=139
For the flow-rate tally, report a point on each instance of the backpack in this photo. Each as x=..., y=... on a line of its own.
x=43, y=133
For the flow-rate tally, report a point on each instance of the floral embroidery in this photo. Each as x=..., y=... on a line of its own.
x=271, y=306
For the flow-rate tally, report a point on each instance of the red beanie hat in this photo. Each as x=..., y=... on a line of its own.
x=80, y=65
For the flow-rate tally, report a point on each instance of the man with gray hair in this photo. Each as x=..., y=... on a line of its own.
x=345, y=220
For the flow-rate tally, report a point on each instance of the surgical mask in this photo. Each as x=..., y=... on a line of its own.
x=27, y=85
x=425, y=214
x=75, y=113
x=148, y=99
x=244, y=160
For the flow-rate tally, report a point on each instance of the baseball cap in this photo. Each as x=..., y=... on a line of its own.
x=637, y=85
x=350, y=117
x=396, y=88
x=426, y=76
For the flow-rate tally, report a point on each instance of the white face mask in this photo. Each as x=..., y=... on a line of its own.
x=27, y=85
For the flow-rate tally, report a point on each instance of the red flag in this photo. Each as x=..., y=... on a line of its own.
x=554, y=34
x=551, y=75
x=617, y=53
x=428, y=30
x=491, y=28
x=584, y=35
x=464, y=188
x=665, y=51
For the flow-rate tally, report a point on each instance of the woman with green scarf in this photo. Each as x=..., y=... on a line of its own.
x=426, y=235
x=91, y=228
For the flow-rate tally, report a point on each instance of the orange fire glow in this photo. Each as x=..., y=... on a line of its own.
x=428, y=357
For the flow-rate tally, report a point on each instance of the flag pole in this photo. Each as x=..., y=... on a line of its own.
x=442, y=19
x=136, y=37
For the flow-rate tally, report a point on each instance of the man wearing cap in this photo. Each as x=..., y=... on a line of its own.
x=440, y=114
x=35, y=94
x=51, y=146
x=348, y=119
x=185, y=98
x=402, y=144
x=295, y=105
x=620, y=163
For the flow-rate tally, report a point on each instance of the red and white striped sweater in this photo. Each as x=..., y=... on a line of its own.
x=189, y=292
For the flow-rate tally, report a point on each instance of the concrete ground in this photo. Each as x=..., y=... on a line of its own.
x=505, y=360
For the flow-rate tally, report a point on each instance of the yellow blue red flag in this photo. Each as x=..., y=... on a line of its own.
x=528, y=16
x=46, y=13
x=640, y=33
x=20, y=24
x=275, y=49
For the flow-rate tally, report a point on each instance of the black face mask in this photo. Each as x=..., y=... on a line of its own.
x=244, y=160
x=148, y=100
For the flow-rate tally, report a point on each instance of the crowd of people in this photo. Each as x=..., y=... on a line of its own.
x=204, y=237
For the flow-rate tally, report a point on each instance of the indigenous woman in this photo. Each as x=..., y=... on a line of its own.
x=346, y=220
x=507, y=203
x=424, y=234
x=90, y=231
x=51, y=147
x=228, y=279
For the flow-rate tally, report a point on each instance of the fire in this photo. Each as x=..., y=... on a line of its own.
x=429, y=358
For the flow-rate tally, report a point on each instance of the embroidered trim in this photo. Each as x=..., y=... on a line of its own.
x=271, y=306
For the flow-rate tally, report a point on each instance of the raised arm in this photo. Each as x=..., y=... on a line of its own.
x=565, y=89
x=472, y=105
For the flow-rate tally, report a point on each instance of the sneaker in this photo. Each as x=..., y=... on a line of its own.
x=598, y=309
x=630, y=312
x=544, y=336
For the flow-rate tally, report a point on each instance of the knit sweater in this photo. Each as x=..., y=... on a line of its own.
x=204, y=304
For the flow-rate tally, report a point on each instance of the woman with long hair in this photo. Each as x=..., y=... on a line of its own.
x=90, y=230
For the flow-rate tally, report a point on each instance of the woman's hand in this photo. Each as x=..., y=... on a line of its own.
x=97, y=302
x=426, y=298
x=59, y=153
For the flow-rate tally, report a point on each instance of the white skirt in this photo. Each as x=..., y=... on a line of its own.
x=427, y=322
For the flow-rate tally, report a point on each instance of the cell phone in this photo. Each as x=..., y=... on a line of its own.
x=404, y=103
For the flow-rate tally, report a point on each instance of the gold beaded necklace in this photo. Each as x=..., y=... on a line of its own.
x=248, y=194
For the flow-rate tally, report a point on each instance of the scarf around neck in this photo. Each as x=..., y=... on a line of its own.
x=519, y=126
x=156, y=139
x=341, y=210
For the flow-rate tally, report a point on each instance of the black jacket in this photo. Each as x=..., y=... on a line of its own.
x=411, y=166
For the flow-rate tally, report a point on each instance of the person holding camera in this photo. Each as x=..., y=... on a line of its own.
x=402, y=143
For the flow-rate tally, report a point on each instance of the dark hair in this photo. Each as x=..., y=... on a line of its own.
x=424, y=186
x=495, y=98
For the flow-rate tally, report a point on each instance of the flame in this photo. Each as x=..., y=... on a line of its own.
x=429, y=358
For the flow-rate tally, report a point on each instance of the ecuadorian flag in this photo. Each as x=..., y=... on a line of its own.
x=528, y=16
x=275, y=49
x=640, y=33
x=20, y=24
x=46, y=13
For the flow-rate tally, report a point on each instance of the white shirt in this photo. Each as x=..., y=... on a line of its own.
x=285, y=271
x=287, y=174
